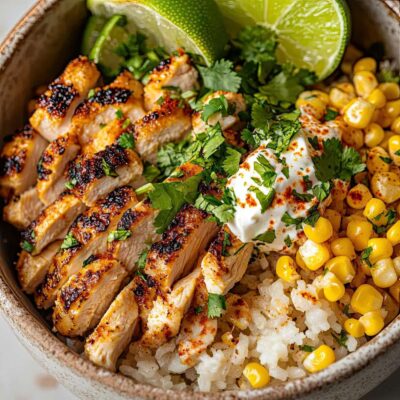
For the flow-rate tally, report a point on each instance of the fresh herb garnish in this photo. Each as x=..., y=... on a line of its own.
x=126, y=141
x=264, y=199
x=108, y=170
x=198, y=310
x=386, y=160
x=341, y=339
x=307, y=348
x=322, y=191
x=28, y=247
x=314, y=142
x=226, y=242
x=302, y=196
x=266, y=237
x=69, y=242
x=119, y=114
x=214, y=106
x=365, y=256
x=288, y=220
x=151, y=172
x=71, y=184
x=220, y=76
x=288, y=241
x=216, y=305
x=119, y=234
x=330, y=114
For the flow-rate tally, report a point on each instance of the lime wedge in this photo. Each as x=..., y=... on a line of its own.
x=197, y=26
x=312, y=33
x=91, y=33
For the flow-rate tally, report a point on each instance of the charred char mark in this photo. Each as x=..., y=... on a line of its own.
x=110, y=96
x=99, y=222
x=216, y=247
x=164, y=65
x=128, y=219
x=28, y=234
x=58, y=99
x=10, y=165
x=118, y=198
x=25, y=133
x=166, y=247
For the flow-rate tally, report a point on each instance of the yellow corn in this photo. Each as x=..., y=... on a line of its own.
x=257, y=375
x=342, y=267
x=373, y=322
x=359, y=232
x=396, y=264
x=314, y=255
x=343, y=247
x=394, y=148
x=358, y=113
x=365, y=299
x=334, y=217
x=377, y=160
x=358, y=196
x=383, y=273
x=395, y=291
x=319, y=359
x=365, y=82
x=353, y=137
x=395, y=127
x=320, y=232
x=377, y=98
x=354, y=327
x=381, y=248
x=313, y=104
x=393, y=234
x=333, y=287
x=365, y=64
x=392, y=108
x=324, y=97
x=228, y=339
x=375, y=211
x=339, y=98
x=386, y=186
x=346, y=87
x=374, y=134
x=385, y=142
x=286, y=269
x=391, y=90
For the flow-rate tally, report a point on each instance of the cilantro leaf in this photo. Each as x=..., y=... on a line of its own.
x=267, y=237
x=198, y=310
x=288, y=220
x=288, y=241
x=322, y=191
x=89, y=260
x=216, y=305
x=217, y=105
x=119, y=234
x=386, y=75
x=365, y=255
x=231, y=161
x=69, y=241
x=28, y=247
x=226, y=242
x=108, y=170
x=341, y=339
x=314, y=142
x=330, y=114
x=151, y=172
x=213, y=142
x=220, y=76
x=264, y=199
x=313, y=216
x=126, y=141
x=307, y=348
x=302, y=196
x=71, y=184
x=171, y=156
x=222, y=212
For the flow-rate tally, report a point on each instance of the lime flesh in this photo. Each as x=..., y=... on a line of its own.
x=92, y=32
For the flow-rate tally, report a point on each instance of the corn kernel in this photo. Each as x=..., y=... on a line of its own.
x=373, y=322
x=386, y=186
x=334, y=217
x=358, y=196
x=354, y=327
x=383, y=273
x=392, y=108
x=385, y=142
x=390, y=306
x=314, y=105
x=319, y=359
x=365, y=299
x=377, y=160
x=286, y=269
x=342, y=267
x=343, y=247
x=395, y=127
x=381, y=248
x=395, y=291
x=339, y=98
x=374, y=134
x=365, y=64
x=377, y=98
x=353, y=137
x=257, y=375
x=391, y=90
x=320, y=232
x=359, y=232
x=346, y=87
x=393, y=234
x=314, y=255
x=394, y=148
x=396, y=264
x=333, y=287
x=375, y=211
x=365, y=82
x=228, y=339
x=358, y=113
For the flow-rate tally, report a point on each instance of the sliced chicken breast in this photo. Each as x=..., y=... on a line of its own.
x=236, y=104
x=226, y=262
x=169, y=123
x=23, y=209
x=122, y=98
x=18, y=159
x=164, y=319
x=51, y=167
x=83, y=300
x=87, y=237
x=57, y=105
x=115, y=330
x=175, y=72
x=95, y=175
x=53, y=222
x=32, y=269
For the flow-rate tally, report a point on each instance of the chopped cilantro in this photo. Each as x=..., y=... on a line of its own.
x=268, y=237
x=216, y=305
x=288, y=241
x=365, y=256
x=307, y=348
x=302, y=196
x=264, y=199
x=91, y=93
x=288, y=220
x=170, y=156
x=71, y=184
x=387, y=160
x=397, y=153
x=214, y=106
x=222, y=213
x=220, y=76
x=141, y=262
x=108, y=170
x=69, y=241
x=307, y=182
x=346, y=310
x=160, y=100
x=119, y=114
x=330, y=114
x=266, y=171
x=322, y=191
x=89, y=260
x=225, y=243
x=126, y=141
x=386, y=75
x=198, y=310
x=151, y=172
x=285, y=171
x=314, y=142
x=312, y=218
x=231, y=161
x=341, y=339
x=28, y=247
x=119, y=234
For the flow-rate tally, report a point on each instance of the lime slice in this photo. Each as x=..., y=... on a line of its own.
x=91, y=33
x=197, y=26
x=312, y=33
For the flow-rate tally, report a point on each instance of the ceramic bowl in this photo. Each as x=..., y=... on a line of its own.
x=34, y=53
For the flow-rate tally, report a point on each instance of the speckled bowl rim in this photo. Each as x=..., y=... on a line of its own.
x=37, y=334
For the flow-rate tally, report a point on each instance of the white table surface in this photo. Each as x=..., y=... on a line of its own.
x=21, y=378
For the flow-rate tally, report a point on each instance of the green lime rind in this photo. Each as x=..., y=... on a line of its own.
x=91, y=33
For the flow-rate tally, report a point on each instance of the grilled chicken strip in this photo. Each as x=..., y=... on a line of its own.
x=168, y=123
x=32, y=269
x=53, y=222
x=18, y=159
x=177, y=72
x=83, y=300
x=164, y=319
x=23, y=209
x=226, y=262
x=236, y=104
x=57, y=105
x=87, y=237
x=95, y=175
x=115, y=330
x=124, y=97
x=51, y=167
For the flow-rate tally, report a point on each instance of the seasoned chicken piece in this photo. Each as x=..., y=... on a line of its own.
x=226, y=262
x=32, y=269
x=95, y=175
x=169, y=123
x=177, y=72
x=51, y=167
x=236, y=104
x=53, y=222
x=115, y=330
x=164, y=319
x=197, y=331
x=57, y=105
x=84, y=299
x=87, y=237
x=238, y=312
x=124, y=97
x=18, y=159
x=175, y=254
x=23, y=209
